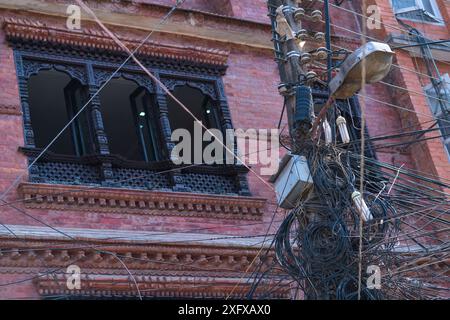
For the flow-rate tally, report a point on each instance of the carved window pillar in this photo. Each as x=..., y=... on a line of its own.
x=28, y=129
x=100, y=138
x=97, y=121
x=23, y=91
x=227, y=124
x=175, y=176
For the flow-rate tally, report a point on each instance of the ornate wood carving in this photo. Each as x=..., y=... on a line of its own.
x=97, y=121
x=118, y=201
x=92, y=68
x=141, y=79
x=10, y=109
x=23, y=91
x=121, y=162
x=108, y=286
x=243, y=187
x=205, y=87
x=20, y=30
x=32, y=67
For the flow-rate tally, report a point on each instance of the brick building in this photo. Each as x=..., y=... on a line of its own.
x=102, y=199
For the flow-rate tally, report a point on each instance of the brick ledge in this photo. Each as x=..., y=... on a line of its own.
x=123, y=201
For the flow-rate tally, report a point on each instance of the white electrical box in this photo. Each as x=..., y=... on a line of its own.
x=292, y=178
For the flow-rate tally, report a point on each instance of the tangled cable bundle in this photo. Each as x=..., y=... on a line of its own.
x=324, y=243
x=317, y=244
x=348, y=290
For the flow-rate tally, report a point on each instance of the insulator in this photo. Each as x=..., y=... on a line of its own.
x=311, y=75
x=327, y=131
x=283, y=89
x=303, y=107
x=300, y=44
x=286, y=10
x=361, y=205
x=316, y=16
x=343, y=130
x=293, y=54
x=299, y=14
x=319, y=36
x=322, y=53
x=305, y=58
x=302, y=34
x=283, y=28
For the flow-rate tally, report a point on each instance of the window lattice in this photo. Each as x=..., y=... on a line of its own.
x=68, y=173
x=141, y=179
x=79, y=174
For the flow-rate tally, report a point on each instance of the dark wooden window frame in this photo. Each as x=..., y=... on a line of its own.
x=93, y=69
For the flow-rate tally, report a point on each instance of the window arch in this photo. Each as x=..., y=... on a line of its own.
x=99, y=148
x=131, y=121
x=54, y=99
x=202, y=107
x=200, y=104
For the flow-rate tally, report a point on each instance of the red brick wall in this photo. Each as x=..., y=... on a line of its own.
x=249, y=71
x=250, y=85
x=255, y=10
x=12, y=163
x=20, y=290
x=222, y=7
x=429, y=156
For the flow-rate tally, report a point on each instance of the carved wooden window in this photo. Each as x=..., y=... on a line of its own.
x=122, y=139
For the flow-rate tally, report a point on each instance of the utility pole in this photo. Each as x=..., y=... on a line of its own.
x=290, y=40
x=322, y=187
x=332, y=114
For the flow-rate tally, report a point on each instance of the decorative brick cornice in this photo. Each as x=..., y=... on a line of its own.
x=10, y=109
x=172, y=270
x=122, y=201
x=187, y=259
x=98, y=286
x=92, y=38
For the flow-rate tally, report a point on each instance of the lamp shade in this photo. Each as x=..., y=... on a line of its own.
x=378, y=58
